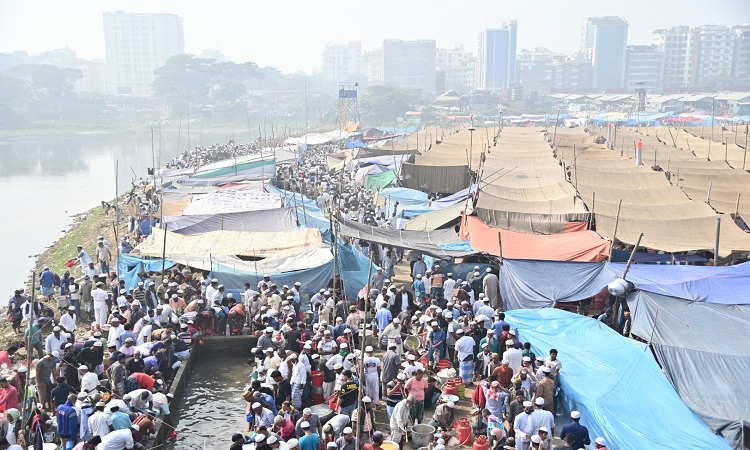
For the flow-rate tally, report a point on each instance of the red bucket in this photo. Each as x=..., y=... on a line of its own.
x=317, y=378
x=443, y=364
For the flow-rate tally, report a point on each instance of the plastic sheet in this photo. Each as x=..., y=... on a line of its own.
x=709, y=374
x=614, y=383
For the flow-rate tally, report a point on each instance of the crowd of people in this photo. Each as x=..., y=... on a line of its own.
x=106, y=387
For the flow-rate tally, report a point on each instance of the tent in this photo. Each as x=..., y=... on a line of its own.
x=435, y=220
x=708, y=373
x=614, y=383
x=308, y=213
x=526, y=284
x=374, y=182
x=128, y=267
x=573, y=246
x=723, y=284
x=230, y=201
x=439, y=243
x=540, y=284
x=435, y=178
x=278, y=219
x=240, y=243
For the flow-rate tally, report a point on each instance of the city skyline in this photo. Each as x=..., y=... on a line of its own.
x=299, y=39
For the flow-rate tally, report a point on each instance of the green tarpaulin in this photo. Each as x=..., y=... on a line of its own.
x=380, y=180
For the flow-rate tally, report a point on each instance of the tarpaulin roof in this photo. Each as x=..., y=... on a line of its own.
x=373, y=182
x=615, y=383
x=669, y=220
x=436, y=243
x=308, y=213
x=441, y=218
x=229, y=201
x=573, y=246
x=352, y=264
x=128, y=267
x=278, y=219
x=435, y=178
x=528, y=284
x=722, y=284
x=703, y=350
x=256, y=244
x=286, y=261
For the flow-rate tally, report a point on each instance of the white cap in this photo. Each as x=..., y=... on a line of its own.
x=536, y=439
x=366, y=399
x=269, y=330
x=368, y=349
x=509, y=342
x=545, y=429
x=396, y=320
x=291, y=443
x=575, y=415
x=259, y=437
x=401, y=376
x=504, y=361
x=460, y=331
x=539, y=401
x=451, y=405
x=272, y=439
x=546, y=369
x=348, y=430
x=56, y=329
x=304, y=424
x=488, y=270
x=512, y=332
x=600, y=440
x=411, y=357
x=344, y=345
x=255, y=405
x=434, y=323
x=527, y=404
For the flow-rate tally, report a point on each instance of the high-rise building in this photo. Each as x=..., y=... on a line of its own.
x=497, y=57
x=712, y=54
x=343, y=62
x=407, y=64
x=136, y=45
x=741, y=62
x=604, y=40
x=644, y=68
x=676, y=44
x=535, y=70
x=458, y=66
x=572, y=74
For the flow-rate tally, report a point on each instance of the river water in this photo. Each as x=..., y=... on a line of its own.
x=44, y=181
x=212, y=408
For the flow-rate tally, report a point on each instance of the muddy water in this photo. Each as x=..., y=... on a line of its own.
x=212, y=408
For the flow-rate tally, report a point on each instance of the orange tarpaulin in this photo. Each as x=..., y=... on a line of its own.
x=584, y=245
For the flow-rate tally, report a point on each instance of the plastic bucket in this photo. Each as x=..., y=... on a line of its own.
x=316, y=378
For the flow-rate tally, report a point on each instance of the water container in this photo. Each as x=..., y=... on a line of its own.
x=463, y=431
x=443, y=364
x=480, y=443
x=316, y=378
x=333, y=402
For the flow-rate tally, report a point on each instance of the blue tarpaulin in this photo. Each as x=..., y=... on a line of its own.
x=656, y=258
x=614, y=383
x=355, y=144
x=310, y=216
x=129, y=266
x=724, y=284
x=539, y=284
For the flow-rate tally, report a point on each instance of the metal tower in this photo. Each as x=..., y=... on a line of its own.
x=348, y=114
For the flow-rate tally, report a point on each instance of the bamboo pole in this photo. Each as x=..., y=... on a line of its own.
x=614, y=235
x=632, y=255
x=360, y=410
x=716, y=245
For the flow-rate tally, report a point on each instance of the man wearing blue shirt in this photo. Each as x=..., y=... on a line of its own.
x=47, y=282
x=436, y=342
x=67, y=421
x=310, y=440
x=497, y=326
x=580, y=432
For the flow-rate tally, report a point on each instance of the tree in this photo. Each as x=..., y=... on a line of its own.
x=384, y=103
x=51, y=88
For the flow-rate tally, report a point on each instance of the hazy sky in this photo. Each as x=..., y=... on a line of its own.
x=291, y=34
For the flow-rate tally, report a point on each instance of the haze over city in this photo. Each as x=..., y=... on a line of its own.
x=291, y=35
